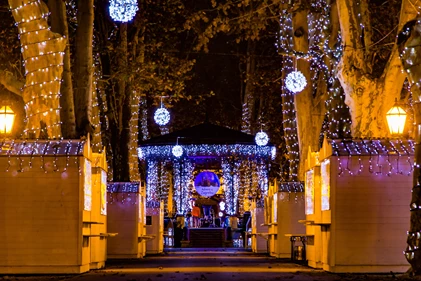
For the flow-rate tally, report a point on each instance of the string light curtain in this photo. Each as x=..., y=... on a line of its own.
x=42, y=52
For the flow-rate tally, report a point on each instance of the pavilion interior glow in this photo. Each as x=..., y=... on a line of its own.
x=244, y=170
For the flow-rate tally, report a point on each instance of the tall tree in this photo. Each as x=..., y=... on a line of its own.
x=42, y=52
x=67, y=113
x=83, y=67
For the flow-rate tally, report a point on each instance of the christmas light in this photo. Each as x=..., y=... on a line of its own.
x=123, y=10
x=261, y=139
x=162, y=116
x=42, y=52
x=295, y=81
x=87, y=186
x=177, y=150
x=191, y=150
x=123, y=192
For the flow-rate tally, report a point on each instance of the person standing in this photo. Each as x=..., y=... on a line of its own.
x=196, y=215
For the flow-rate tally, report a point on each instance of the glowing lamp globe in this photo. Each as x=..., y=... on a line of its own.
x=123, y=10
x=295, y=81
x=396, y=118
x=7, y=118
x=261, y=139
x=162, y=116
x=177, y=150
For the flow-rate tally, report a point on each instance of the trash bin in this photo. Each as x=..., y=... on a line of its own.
x=298, y=253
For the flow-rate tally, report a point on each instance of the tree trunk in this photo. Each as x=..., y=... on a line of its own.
x=67, y=112
x=83, y=69
x=365, y=95
x=309, y=111
x=290, y=125
x=11, y=83
x=43, y=60
x=122, y=114
x=138, y=53
x=248, y=98
x=409, y=43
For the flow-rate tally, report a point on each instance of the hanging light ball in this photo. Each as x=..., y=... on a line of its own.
x=261, y=139
x=123, y=10
x=162, y=116
x=295, y=81
x=177, y=150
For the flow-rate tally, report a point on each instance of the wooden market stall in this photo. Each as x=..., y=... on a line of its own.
x=49, y=206
x=126, y=216
x=357, y=194
x=284, y=209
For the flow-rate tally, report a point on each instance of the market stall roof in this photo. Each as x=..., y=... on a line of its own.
x=205, y=133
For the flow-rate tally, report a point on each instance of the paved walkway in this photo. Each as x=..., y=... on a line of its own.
x=205, y=264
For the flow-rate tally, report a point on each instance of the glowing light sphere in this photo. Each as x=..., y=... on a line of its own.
x=177, y=150
x=295, y=81
x=162, y=116
x=123, y=10
x=261, y=139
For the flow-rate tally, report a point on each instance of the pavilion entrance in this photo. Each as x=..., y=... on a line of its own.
x=220, y=171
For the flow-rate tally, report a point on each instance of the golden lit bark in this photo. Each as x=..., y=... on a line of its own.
x=310, y=110
x=83, y=74
x=42, y=51
x=368, y=97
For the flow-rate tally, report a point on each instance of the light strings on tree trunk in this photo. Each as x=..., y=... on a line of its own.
x=43, y=61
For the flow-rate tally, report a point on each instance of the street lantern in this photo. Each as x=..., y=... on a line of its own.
x=396, y=118
x=7, y=118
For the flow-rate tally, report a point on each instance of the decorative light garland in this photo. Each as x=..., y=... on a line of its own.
x=121, y=192
x=191, y=150
x=123, y=10
x=43, y=61
x=230, y=175
x=381, y=149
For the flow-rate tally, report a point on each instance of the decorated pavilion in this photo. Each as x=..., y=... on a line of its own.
x=173, y=162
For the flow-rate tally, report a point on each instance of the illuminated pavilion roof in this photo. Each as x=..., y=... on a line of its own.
x=206, y=140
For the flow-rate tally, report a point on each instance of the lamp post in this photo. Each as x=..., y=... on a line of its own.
x=396, y=118
x=7, y=119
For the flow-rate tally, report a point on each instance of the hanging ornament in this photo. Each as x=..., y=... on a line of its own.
x=295, y=81
x=261, y=139
x=123, y=10
x=177, y=150
x=162, y=115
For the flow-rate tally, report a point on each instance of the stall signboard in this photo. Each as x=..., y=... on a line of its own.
x=207, y=183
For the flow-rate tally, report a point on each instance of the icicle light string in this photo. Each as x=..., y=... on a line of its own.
x=376, y=148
